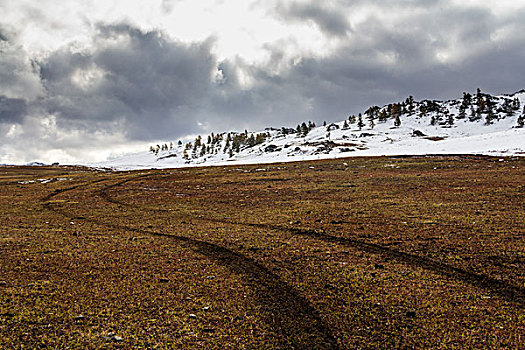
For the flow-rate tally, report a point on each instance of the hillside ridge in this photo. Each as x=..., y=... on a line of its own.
x=478, y=123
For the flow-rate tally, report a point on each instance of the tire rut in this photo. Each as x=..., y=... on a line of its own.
x=509, y=292
x=289, y=314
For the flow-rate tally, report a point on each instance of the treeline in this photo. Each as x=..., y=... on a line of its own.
x=229, y=143
x=480, y=106
x=475, y=107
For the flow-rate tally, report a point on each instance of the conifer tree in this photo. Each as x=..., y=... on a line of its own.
x=251, y=141
x=481, y=104
x=360, y=123
x=516, y=104
x=521, y=119
x=473, y=115
x=490, y=113
x=304, y=129
x=423, y=111
x=462, y=114
x=382, y=116
x=236, y=145
x=450, y=119
x=467, y=99
x=396, y=110
x=508, y=107
x=397, y=121
x=227, y=145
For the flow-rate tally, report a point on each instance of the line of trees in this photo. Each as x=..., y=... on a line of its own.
x=474, y=107
x=233, y=143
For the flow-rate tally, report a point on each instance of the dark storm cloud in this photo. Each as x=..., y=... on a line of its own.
x=151, y=85
x=433, y=52
x=18, y=78
x=12, y=110
x=330, y=21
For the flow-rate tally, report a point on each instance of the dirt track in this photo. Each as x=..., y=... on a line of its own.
x=305, y=255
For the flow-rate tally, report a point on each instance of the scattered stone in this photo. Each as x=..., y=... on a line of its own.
x=417, y=133
x=3, y=283
x=271, y=148
x=206, y=308
x=112, y=337
x=192, y=316
x=411, y=313
x=210, y=277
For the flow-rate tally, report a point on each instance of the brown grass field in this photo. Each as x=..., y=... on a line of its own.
x=377, y=253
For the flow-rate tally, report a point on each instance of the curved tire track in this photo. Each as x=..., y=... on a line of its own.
x=509, y=292
x=288, y=313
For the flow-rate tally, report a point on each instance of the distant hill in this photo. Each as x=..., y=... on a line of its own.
x=477, y=123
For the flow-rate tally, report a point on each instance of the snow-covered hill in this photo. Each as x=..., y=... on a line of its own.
x=477, y=124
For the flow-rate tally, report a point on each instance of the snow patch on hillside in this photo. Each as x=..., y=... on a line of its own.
x=427, y=127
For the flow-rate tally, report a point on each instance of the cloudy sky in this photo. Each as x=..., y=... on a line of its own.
x=81, y=80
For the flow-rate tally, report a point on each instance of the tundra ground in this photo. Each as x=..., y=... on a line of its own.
x=414, y=252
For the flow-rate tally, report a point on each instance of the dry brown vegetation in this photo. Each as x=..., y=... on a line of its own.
x=419, y=252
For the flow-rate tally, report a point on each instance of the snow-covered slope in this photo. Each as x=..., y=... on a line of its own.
x=479, y=124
